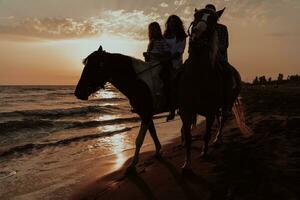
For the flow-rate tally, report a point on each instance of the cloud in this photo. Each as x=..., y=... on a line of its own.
x=164, y=5
x=179, y=2
x=188, y=11
x=132, y=24
x=50, y=28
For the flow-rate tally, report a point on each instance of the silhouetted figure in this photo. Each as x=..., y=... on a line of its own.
x=222, y=57
x=269, y=80
x=158, y=49
x=280, y=78
x=255, y=81
x=158, y=52
x=262, y=80
x=201, y=87
x=176, y=38
x=223, y=38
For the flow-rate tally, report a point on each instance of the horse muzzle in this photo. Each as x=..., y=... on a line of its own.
x=80, y=95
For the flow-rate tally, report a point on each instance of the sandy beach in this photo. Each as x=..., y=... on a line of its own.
x=264, y=166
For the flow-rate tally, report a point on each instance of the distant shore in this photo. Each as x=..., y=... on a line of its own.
x=265, y=166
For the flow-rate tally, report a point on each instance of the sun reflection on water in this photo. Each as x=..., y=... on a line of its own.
x=106, y=117
x=116, y=144
x=105, y=94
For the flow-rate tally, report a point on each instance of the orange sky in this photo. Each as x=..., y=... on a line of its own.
x=43, y=42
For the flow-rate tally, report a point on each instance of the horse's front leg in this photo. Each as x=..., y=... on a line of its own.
x=138, y=143
x=221, y=120
x=153, y=134
x=186, y=130
x=209, y=122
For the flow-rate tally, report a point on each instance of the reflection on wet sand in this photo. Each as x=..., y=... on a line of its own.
x=116, y=145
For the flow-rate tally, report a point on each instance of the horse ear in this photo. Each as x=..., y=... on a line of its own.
x=196, y=10
x=100, y=49
x=220, y=12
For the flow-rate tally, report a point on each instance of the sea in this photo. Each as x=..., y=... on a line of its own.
x=46, y=127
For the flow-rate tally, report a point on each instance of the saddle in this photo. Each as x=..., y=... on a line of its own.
x=151, y=76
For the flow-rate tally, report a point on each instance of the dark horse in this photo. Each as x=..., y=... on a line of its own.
x=102, y=67
x=205, y=83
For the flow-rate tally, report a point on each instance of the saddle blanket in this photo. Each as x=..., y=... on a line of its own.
x=151, y=77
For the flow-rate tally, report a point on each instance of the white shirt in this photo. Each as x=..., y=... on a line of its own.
x=176, y=46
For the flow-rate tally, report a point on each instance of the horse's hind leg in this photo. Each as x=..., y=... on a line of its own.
x=138, y=143
x=207, y=135
x=153, y=134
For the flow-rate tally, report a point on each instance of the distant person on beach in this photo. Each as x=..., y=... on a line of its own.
x=176, y=38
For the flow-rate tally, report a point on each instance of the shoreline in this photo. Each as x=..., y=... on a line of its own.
x=263, y=166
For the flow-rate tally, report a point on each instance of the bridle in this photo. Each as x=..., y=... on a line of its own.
x=193, y=23
x=204, y=41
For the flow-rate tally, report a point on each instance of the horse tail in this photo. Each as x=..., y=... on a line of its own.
x=237, y=108
x=240, y=118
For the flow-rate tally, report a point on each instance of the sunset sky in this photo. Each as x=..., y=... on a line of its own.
x=44, y=41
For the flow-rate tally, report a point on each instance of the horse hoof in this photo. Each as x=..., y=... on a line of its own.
x=131, y=170
x=203, y=154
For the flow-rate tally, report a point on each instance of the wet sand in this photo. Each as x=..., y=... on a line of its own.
x=57, y=172
x=264, y=166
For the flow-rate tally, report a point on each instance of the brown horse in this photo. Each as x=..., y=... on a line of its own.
x=101, y=67
x=205, y=83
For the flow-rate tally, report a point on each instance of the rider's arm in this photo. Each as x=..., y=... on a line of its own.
x=223, y=37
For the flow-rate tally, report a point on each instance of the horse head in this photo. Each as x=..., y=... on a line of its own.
x=204, y=32
x=95, y=74
x=204, y=23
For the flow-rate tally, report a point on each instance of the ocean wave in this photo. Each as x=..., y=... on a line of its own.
x=12, y=126
x=40, y=125
x=54, y=113
x=27, y=148
x=91, y=124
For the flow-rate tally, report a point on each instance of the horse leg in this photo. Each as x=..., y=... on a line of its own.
x=209, y=122
x=153, y=134
x=188, y=141
x=221, y=120
x=182, y=136
x=194, y=122
x=138, y=143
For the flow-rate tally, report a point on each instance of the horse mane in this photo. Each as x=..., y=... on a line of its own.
x=95, y=53
x=85, y=60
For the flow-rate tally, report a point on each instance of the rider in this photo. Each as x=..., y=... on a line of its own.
x=158, y=49
x=176, y=38
x=158, y=52
x=222, y=56
x=223, y=41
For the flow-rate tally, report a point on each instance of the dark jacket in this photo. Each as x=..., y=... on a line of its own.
x=223, y=41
